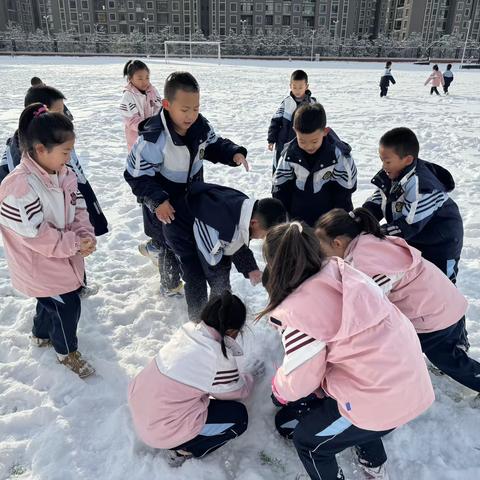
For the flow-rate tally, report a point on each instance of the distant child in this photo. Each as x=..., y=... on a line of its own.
x=212, y=229
x=436, y=79
x=186, y=398
x=168, y=157
x=447, y=78
x=140, y=99
x=344, y=381
x=417, y=287
x=46, y=232
x=280, y=131
x=316, y=171
x=38, y=82
x=386, y=79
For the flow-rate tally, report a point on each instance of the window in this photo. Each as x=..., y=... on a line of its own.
x=74, y=16
x=233, y=7
x=150, y=5
x=269, y=20
x=162, y=18
x=85, y=4
x=222, y=19
x=73, y=4
x=113, y=29
x=111, y=3
x=176, y=18
x=176, y=30
x=278, y=8
x=151, y=29
x=285, y=20
x=296, y=9
x=131, y=17
x=222, y=30
x=112, y=17
x=296, y=20
x=131, y=6
x=132, y=28
x=258, y=19
x=278, y=19
x=175, y=6
x=259, y=7
x=322, y=9
x=163, y=6
x=87, y=29
x=86, y=16
x=233, y=19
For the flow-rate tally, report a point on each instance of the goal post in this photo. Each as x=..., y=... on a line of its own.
x=171, y=43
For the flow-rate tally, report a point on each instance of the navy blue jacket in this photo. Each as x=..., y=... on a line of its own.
x=311, y=185
x=417, y=208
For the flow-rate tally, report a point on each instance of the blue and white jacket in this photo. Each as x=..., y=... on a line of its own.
x=387, y=78
x=222, y=224
x=162, y=164
x=417, y=208
x=281, y=131
x=11, y=158
x=311, y=185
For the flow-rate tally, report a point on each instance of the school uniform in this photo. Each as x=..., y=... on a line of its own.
x=385, y=81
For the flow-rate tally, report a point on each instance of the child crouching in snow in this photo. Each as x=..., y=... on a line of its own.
x=170, y=399
x=46, y=231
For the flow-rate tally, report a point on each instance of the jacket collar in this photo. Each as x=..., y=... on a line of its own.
x=34, y=168
x=382, y=181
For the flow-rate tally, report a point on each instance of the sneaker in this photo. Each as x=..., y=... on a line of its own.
x=172, y=292
x=150, y=250
x=375, y=473
x=40, y=342
x=176, y=458
x=88, y=291
x=76, y=364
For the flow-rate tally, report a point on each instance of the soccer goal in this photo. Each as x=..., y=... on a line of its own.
x=179, y=48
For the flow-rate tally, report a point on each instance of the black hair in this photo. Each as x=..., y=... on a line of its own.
x=48, y=128
x=269, y=212
x=435, y=67
x=179, y=81
x=132, y=67
x=36, y=81
x=292, y=253
x=338, y=222
x=43, y=94
x=388, y=64
x=449, y=66
x=224, y=312
x=402, y=140
x=309, y=118
x=299, y=75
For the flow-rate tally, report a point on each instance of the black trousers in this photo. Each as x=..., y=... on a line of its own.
x=383, y=91
x=319, y=432
x=434, y=89
x=57, y=318
x=442, y=349
x=226, y=420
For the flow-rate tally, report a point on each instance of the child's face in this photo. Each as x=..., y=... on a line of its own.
x=311, y=142
x=298, y=88
x=141, y=79
x=392, y=163
x=56, y=106
x=52, y=160
x=183, y=110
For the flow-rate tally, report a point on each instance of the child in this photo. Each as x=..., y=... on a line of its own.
x=316, y=171
x=168, y=157
x=38, y=82
x=386, y=79
x=212, y=229
x=184, y=399
x=417, y=287
x=447, y=78
x=436, y=78
x=341, y=338
x=140, y=99
x=280, y=131
x=46, y=232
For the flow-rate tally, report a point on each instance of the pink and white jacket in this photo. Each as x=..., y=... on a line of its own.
x=42, y=218
x=436, y=78
x=421, y=291
x=136, y=107
x=169, y=398
x=342, y=335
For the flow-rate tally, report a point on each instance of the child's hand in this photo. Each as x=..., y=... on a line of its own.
x=239, y=159
x=165, y=212
x=87, y=246
x=255, y=277
x=270, y=146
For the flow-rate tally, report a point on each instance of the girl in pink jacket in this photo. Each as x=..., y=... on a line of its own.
x=348, y=345
x=436, y=78
x=140, y=99
x=46, y=231
x=417, y=287
x=183, y=400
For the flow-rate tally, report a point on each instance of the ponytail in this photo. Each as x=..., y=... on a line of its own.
x=292, y=254
x=223, y=313
x=39, y=126
x=338, y=222
x=133, y=66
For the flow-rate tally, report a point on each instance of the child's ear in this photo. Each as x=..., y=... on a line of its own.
x=409, y=159
x=40, y=149
x=165, y=104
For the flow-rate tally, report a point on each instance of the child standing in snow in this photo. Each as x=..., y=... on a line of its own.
x=46, y=232
x=333, y=320
x=447, y=78
x=140, y=99
x=281, y=131
x=417, y=287
x=436, y=79
x=185, y=398
x=386, y=79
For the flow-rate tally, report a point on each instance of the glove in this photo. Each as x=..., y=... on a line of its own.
x=388, y=229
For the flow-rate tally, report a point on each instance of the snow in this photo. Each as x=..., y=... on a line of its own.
x=55, y=426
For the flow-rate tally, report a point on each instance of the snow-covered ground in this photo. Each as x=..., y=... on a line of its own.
x=54, y=426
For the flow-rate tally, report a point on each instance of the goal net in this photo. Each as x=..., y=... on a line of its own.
x=178, y=48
